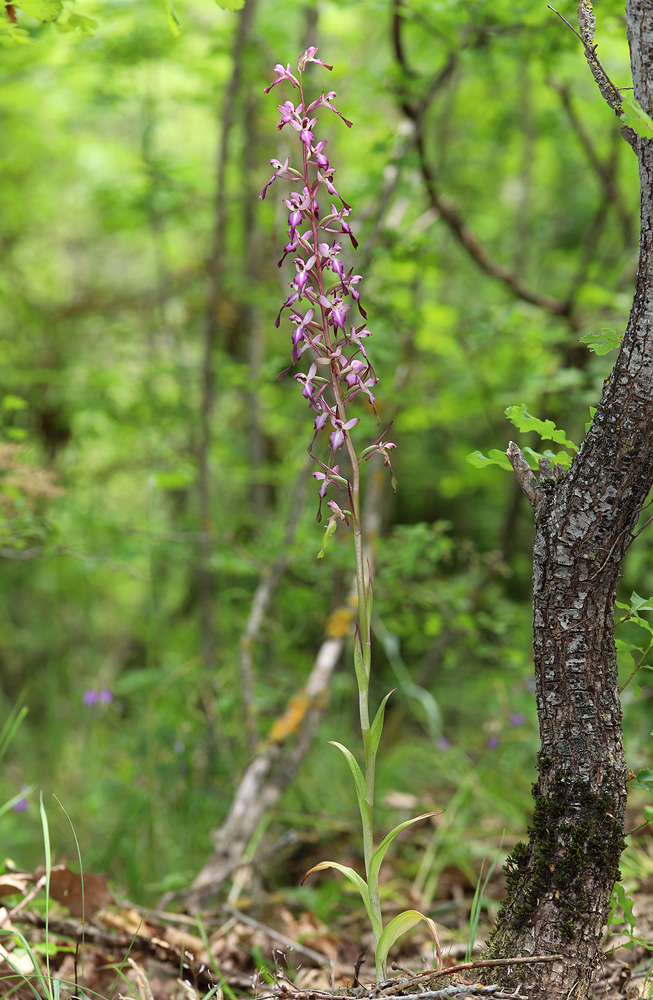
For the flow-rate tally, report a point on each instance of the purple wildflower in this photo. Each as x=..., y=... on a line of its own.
x=315, y=239
x=492, y=742
x=517, y=719
x=22, y=804
x=95, y=697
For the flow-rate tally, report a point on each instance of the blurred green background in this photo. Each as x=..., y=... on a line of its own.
x=149, y=457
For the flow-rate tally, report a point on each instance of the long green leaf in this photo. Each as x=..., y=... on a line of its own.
x=356, y=880
x=359, y=782
x=48, y=870
x=33, y=959
x=377, y=858
x=398, y=926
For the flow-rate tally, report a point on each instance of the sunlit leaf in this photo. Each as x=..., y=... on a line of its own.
x=635, y=117
x=496, y=457
x=399, y=925
x=43, y=10
x=644, y=779
x=608, y=341
x=547, y=430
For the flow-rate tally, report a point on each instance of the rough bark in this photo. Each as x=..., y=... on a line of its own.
x=559, y=884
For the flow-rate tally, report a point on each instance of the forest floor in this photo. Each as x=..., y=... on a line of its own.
x=120, y=950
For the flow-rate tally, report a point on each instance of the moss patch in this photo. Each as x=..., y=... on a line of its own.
x=573, y=836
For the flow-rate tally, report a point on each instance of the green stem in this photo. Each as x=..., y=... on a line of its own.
x=364, y=624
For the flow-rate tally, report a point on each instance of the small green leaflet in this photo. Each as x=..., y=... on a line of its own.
x=231, y=5
x=601, y=343
x=525, y=421
x=86, y=25
x=637, y=603
x=636, y=118
x=644, y=779
x=620, y=900
x=43, y=10
x=496, y=457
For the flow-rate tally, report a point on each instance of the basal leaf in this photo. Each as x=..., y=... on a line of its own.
x=398, y=926
x=496, y=457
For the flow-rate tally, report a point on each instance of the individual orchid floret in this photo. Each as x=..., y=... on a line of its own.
x=282, y=74
x=307, y=380
x=344, y=515
x=324, y=101
x=337, y=437
x=310, y=56
x=281, y=170
x=338, y=313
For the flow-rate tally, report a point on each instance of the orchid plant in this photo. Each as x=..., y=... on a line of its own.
x=324, y=298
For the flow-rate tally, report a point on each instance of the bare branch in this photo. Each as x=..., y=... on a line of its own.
x=447, y=212
x=525, y=477
x=604, y=171
x=610, y=93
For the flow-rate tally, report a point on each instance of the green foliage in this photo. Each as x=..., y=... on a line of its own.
x=633, y=654
x=635, y=117
x=608, y=341
x=524, y=422
x=111, y=125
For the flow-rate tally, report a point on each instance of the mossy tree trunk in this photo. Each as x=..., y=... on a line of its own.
x=559, y=884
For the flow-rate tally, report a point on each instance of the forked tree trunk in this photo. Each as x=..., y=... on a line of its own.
x=559, y=884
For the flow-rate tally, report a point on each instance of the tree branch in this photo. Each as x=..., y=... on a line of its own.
x=525, y=477
x=449, y=214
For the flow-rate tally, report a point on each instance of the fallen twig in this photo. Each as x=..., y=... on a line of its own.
x=463, y=967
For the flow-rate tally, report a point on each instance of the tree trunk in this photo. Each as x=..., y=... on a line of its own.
x=559, y=884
